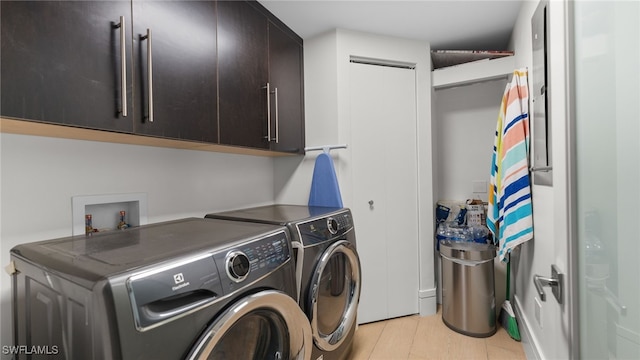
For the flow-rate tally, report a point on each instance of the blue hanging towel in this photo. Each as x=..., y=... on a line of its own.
x=324, y=184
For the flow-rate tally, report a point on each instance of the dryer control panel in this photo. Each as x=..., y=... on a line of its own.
x=252, y=260
x=322, y=229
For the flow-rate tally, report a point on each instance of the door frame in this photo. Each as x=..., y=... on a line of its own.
x=546, y=326
x=348, y=44
x=571, y=286
x=384, y=157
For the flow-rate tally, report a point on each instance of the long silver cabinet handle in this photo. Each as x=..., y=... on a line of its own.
x=268, y=87
x=149, y=73
x=275, y=91
x=123, y=66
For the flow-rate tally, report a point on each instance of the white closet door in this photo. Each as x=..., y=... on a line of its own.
x=385, y=196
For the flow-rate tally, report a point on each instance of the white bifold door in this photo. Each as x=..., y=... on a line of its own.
x=384, y=173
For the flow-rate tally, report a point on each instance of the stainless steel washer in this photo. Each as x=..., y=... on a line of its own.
x=327, y=269
x=193, y=288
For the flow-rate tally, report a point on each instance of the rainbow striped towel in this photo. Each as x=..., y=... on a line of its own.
x=510, y=215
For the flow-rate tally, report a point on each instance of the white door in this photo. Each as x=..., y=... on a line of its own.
x=599, y=316
x=385, y=198
x=607, y=185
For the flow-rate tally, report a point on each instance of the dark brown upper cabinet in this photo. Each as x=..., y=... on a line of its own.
x=61, y=63
x=224, y=72
x=243, y=74
x=260, y=79
x=174, y=54
x=286, y=83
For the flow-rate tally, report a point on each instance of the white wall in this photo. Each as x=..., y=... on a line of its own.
x=523, y=267
x=327, y=122
x=464, y=128
x=293, y=174
x=549, y=336
x=464, y=132
x=39, y=176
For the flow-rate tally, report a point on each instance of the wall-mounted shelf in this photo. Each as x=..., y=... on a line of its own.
x=472, y=72
x=23, y=127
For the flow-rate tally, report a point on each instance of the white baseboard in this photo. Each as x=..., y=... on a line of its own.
x=529, y=344
x=427, y=302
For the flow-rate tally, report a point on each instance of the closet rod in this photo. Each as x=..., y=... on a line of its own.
x=325, y=148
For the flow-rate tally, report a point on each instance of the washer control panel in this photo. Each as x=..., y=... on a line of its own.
x=172, y=290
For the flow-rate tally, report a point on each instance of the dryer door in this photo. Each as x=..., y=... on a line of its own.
x=265, y=325
x=334, y=295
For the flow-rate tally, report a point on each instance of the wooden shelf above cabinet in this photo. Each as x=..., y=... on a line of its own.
x=22, y=127
x=472, y=72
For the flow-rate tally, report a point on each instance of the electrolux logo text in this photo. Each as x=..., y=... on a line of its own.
x=30, y=350
x=179, y=280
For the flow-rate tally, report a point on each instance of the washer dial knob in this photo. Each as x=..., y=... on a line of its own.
x=238, y=266
x=332, y=225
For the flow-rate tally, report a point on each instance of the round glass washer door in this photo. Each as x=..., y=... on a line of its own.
x=266, y=325
x=334, y=295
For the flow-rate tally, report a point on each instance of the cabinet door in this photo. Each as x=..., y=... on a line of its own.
x=183, y=76
x=61, y=62
x=285, y=77
x=243, y=74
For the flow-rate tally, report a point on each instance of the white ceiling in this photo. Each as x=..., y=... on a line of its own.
x=446, y=24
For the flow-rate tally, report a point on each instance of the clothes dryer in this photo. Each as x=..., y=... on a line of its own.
x=327, y=269
x=186, y=289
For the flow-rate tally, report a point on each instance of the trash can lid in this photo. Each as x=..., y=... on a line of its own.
x=467, y=250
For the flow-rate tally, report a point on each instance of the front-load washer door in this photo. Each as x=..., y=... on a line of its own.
x=334, y=295
x=265, y=325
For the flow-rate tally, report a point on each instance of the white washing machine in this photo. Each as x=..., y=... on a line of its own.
x=187, y=289
x=327, y=269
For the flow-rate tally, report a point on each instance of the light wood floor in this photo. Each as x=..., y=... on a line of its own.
x=415, y=337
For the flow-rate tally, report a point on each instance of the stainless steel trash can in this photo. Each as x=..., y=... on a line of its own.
x=468, y=292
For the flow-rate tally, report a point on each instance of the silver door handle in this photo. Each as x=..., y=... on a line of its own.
x=556, y=282
x=542, y=168
x=123, y=66
x=149, y=73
